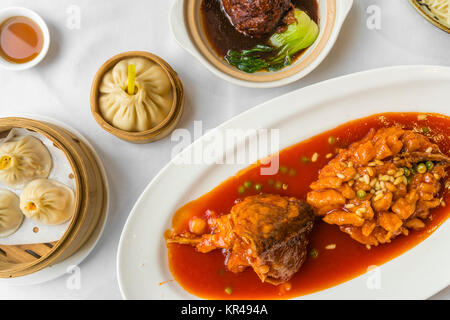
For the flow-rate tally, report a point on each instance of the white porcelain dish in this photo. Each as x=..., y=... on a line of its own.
x=24, y=12
x=332, y=14
x=66, y=266
x=416, y=274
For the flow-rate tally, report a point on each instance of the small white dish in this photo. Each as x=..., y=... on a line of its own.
x=142, y=260
x=24, y=12
x=186, y=27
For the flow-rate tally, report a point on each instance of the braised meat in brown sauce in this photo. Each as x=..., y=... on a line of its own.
x=382, y=186
x=269, y=233
x=255, y=18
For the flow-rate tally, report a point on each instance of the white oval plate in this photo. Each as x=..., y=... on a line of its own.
x=416, y=274
x=178, y=28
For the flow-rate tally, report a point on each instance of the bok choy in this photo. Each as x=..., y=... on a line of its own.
x=280, y=49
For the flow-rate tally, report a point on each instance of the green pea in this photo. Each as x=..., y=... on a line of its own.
x=271, y=182
x=241, y=189
x=421, y=168
x=278, y=185
x=283, y=169
x=258, y=187
x=314, y=253
x=247, y=184
x=292, y=172
x=429, y=165
x=361, y=194
x=406, y=172
x=426, y=130
x=228, y=290
x=331, y=140
x=305, y=159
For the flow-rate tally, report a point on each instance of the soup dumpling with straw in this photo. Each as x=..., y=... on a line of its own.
x=47, y=201
x=22, y=159
x=135, y=95
x=11, y=217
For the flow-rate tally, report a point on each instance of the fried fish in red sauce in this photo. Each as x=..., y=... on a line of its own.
x=269, y=233
x=382, y=186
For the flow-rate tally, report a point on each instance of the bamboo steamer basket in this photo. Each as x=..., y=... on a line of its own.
x=166, y=126
x=91, y=203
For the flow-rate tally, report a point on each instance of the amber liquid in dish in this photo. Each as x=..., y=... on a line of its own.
x=205, y=274
x=21, y=40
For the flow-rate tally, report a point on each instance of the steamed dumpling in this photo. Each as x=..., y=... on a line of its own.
x=144, y=110
x=23, y=159
x=10, y=215
x=47, y=201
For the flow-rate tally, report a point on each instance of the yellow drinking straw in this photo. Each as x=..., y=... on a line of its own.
x=131, y=78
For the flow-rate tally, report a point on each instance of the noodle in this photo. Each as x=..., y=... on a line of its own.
x=439, y=8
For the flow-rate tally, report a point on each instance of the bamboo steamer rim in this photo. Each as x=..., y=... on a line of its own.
x=196, y=30
x=50, y=131
x=162, y=129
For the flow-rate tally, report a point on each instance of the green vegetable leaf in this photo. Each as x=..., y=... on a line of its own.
x=298, y=36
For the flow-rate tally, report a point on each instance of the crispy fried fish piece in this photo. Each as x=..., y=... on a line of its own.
x=269, y=233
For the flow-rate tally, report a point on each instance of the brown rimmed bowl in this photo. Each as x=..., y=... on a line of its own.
x=187, y=27
x=91, y=203
x=161, y=130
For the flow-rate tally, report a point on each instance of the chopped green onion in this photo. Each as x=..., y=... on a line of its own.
x=425, y=130
x=258, y=187
x=241, y=189
x=283, y=169
x=305, y=159
x=331, y=140
x=292, y=172
x=278, y=185
x=314, y=253
x=271, y=182
x=247, y=184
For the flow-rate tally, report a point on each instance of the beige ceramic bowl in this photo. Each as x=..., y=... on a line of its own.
x=156, y=133
x=188, y=30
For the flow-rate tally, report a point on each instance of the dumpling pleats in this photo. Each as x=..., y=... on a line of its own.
x=145, y=109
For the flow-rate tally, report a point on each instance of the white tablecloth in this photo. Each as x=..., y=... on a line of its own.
x=59, y=88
